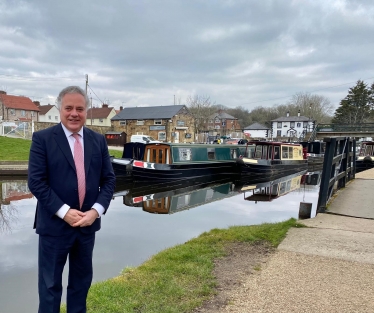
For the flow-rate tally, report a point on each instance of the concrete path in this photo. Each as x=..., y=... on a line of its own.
x=326, y=267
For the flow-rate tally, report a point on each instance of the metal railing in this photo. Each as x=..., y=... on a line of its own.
x=338, y=168
x=364, y=127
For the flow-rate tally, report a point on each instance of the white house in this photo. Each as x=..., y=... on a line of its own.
x=49, y=113
x=291, y=126
x=256, y=130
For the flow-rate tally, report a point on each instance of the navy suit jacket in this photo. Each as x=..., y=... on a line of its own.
x=53, y=181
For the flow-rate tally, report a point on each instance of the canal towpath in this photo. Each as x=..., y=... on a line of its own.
x=327, y=266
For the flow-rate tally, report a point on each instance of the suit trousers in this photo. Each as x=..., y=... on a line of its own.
x=53, y=253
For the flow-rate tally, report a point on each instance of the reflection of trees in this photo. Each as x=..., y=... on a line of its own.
x=8, y=215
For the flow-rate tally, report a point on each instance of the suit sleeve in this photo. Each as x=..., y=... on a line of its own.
x=38, y=177
x=107, y=177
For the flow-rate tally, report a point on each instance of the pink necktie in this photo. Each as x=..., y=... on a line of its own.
x=79, y=165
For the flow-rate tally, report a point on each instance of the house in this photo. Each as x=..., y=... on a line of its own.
x=291, y=126
x=100, y=116
x=49, y=113
x=169, y=123
x=257, y=131
x=222, y=123
x=17, y=108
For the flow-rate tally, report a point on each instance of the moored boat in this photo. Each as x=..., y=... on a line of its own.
x=170, y=162
x=271, y=160
x=365, y=158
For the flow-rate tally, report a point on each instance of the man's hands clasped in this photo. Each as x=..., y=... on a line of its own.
x=76, y=218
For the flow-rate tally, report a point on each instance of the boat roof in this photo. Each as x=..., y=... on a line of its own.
x=273, y=143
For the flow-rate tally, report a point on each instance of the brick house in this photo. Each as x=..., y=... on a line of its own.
x=222, y=123
x=100, y=116
x=17, y=108
x=170, y=123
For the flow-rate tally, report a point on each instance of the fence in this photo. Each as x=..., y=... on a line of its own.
x=338, y=168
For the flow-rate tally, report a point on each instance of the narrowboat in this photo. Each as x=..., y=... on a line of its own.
x=171, y=162
x=271, y=160
x=315, y=154
x=365, y=158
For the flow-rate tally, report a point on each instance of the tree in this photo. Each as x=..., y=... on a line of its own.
x=315, y=107
x=356, y=107
x=201, y=107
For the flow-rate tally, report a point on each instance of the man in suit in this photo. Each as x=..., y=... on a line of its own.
x=71, y=176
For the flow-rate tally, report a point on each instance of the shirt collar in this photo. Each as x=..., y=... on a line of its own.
x=68, y=133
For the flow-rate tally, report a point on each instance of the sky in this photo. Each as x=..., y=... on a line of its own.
x=247, y=53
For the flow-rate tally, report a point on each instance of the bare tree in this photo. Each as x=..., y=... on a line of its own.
x=316, y=107
x=201, y=107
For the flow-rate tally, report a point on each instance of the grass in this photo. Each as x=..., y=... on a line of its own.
x=180, y=278
x=16, y=149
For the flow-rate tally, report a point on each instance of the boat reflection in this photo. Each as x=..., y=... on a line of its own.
x=173, y=199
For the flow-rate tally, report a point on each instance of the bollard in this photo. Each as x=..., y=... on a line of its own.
x=305, y=210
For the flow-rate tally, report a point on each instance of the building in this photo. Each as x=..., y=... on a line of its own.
x=48, y=113
x=169, y=123
x=222, y=123
x=100, y=116
x=257, y=131
x=17, y=108
x=291, y=126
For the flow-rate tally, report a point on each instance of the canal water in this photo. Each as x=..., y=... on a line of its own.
x=140, y=222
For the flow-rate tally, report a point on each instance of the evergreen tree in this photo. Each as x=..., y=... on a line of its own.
x=356, y=107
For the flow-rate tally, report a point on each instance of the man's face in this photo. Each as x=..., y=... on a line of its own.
x=73, y=111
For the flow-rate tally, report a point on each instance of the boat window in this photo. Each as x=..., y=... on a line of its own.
x=148, y=155
x=265, y=152
x=290, y=152
x=258, y=152
x=277, y=153
x=233, y=153
x=284, y=152
x=270, y=150
x=185, y=154
x=211, y=153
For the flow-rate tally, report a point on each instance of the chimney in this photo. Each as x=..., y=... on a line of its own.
x=121, y=108
x=288, y=113
x=105, y=105
x=2, y=92
x=298, y=113
x=37, y=103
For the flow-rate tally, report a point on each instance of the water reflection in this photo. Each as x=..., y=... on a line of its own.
x=130, y=234
x=10, y=191
x=172, y=199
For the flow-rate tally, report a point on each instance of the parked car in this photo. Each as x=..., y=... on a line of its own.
x=143, y=139
x=237, y=141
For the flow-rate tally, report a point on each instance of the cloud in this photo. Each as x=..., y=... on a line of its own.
x=145, y=52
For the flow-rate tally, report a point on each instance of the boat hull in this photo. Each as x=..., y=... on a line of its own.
x=265, y=170
x=162, y=173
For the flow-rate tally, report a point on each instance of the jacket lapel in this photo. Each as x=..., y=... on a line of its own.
x=63, y=143
x=88, y=143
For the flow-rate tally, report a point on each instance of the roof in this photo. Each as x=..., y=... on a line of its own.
x=223, y=115
x=292, y=119
x=99, y=112
x=147, y=113
x=256, y=126
x=45, y=108
x=18, y=102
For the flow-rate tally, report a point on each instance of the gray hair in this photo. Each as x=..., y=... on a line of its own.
x=71, y=89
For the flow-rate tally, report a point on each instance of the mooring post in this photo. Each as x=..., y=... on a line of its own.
x=328, y=171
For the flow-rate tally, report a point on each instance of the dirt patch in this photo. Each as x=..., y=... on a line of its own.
x=242, y=260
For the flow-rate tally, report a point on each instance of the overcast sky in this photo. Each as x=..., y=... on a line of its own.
x=146, y=53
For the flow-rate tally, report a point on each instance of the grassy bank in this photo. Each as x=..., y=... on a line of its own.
x=16, y=149
x=178, y=279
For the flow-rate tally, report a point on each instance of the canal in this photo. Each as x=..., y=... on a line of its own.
x=140, y=222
